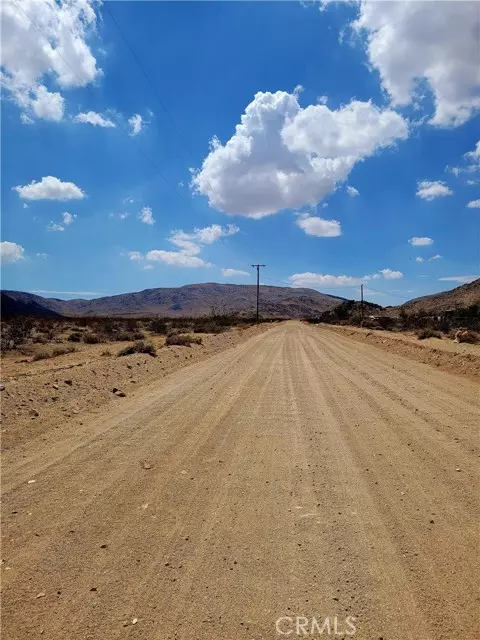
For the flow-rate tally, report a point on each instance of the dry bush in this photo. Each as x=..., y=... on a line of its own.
x=124, y=336
x=428, y=333
x=139, y=347
x=16, y=332
x=94, y=338
x=470, y=337
x=182, y=339
x=75, y=336
x=61, y=351
x=157, y=325
x=58, y=351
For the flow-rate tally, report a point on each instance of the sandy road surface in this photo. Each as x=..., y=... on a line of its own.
x=298, y=474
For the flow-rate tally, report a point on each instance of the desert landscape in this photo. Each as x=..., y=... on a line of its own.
x=240, y=320
x=156, y=468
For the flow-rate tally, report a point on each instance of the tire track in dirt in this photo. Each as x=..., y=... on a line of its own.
x=282, y=483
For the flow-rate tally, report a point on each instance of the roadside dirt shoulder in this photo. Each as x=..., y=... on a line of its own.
x=44, y=395
x=447, y=355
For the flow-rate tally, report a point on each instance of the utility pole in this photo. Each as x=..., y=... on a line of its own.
x=257, y=267
x=361, y=303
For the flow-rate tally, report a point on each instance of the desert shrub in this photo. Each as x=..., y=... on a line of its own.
x=428, y=333
x=108, y=326
x=58, y=351
x=61, y=351
x=125, y=336
x=142, y=346
x=467, y=336
x=16, y=332
x=41, y=355
x=40, y=340
x=94, y=338
x=75, y=336
x=157, y=325
x=138, y=335
x=182, y=339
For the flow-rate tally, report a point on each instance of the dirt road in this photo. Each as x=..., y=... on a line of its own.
x=299, y=474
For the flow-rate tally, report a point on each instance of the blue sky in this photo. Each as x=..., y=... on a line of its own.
x=356, y=158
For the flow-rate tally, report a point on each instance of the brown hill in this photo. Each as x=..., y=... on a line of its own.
x=462, y=296
x=191, y=300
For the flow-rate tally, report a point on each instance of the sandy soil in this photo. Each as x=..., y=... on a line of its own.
x=299, y=473
x=444, y=353
x=43, y=394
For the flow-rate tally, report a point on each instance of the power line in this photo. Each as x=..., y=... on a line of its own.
x=279, y=281
x=387, y=293
x=147, y=77
x=113, y=117
x=350, y=286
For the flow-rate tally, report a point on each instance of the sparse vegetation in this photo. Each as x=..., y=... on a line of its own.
x=75, y=336
x=470, y=337
x=94, y=338
x=16, y=332
x=157, y=325
x=182, y=339
x=58, y=351
x=141, y=346
x=124, y=336
x=422, y=334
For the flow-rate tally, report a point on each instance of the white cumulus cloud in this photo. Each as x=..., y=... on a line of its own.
x=474, y=204
x=93, y=118
x=430, y=190
x=284, y=156
x=474, y=156
x=11, y=252
x=176, y=258
x=68, y=218
x=309, y=279
x=136, y=123
x=390, y=274
x=234, y=273
x=38, y=37
x=50, y=188
x=316, y=226
x=146, y=216
x=420, y=242
x=469, y=164
x=352, y=191
x=412, y=45
x=328, y=281
x=53, y=226
x=190, y=244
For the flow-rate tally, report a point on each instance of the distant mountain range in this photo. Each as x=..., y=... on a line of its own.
x=191, y=300
x=202, y=299
x=462, y=296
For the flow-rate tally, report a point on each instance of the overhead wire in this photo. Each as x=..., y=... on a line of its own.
x=147, y=77
x=113, y=117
